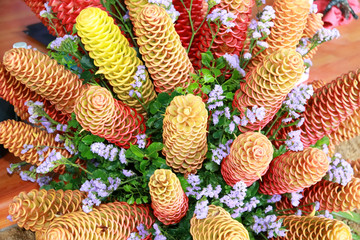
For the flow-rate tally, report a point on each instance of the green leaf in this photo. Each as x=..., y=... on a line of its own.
x=69, y=186
x=209, y=79
x=128, y=188
x=252, y=190
x=229, y=95
x=280, y=151
x=86, y=76
x=154, y=148
x=206, y=71
x=220, y=63
x=211, y=166
x=163, y=98
x=183, y=182
x=145, y=199
x=136, y=150
x=352, y=216
x=155, y=107
x=89, y=139
x=206, y=58
x=85, y=151
x=218, y=134
x=355, y=236
x=192, y=87
x=66, y=177
x=100, y=173
x=319, y=144
x=138, y=200
x=216, y=72
x=206, y=89
x=131, y=200
x=143, y=165
x=87, y=62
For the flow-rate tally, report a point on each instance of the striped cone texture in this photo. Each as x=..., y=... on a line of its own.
x=111, y=52
x=17, y=94
x=36, y=209
x=356, y=166
x=160, y=46
x=268, y=84
x=67, y=10
x=313, y=24
x=218, y=225
x=289, y=23
x=293, y=171
x=13, y=135
x=36, y=7
x=316, y=84
x=111, y=221
x=184, y=134
x=329, y=106
x=45, y=76
x=312, y=227
x=168, y=199
x=227, y=42
x=249, y=158
x=284, y=206
x=98, y=112
x=135, y=7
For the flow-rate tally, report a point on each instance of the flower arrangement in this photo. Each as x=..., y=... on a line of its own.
x=180, y=120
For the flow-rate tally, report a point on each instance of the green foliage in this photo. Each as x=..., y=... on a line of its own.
x=320, y=143
x=352, y=216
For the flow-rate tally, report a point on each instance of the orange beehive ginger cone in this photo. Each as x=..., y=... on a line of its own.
x=36, y=209
x=293, y=171
x=329, y=106
x=135, y=7
x=45, y=76
x=314, y=23
x=98, y=112
x=356, y=166
x=184, y=134
x=316, y=84
x=289, y=24
x=17, y=94
x=111, y=221
x=218, y=225
x=249, y=158
x=268, y=84
x=67, y=10
x=161, y=49
x=118, y=62
x=36, y=7
x=312, y=227
x=168, y=199
x=13, y=135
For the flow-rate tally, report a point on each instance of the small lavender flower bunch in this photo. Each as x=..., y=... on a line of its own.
x=53, y=160
x=169, y=8
x=201, y=209
x=234, y=63
x=340, y=171
x=108, y=151
x=67, y=43
x=222, y=17
x=218, y=154
x=294, y=142
x=253, y=115
x=270, y=225
x=140, y=78
x=296, y=100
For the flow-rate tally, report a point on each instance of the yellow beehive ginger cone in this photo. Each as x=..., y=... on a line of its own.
x=184, y=134
x=218, y=225
x=249, y=158
x=98, y=112
x=312, y=227
x=314, y=23
x=293, y=171
x=356, y=166
x=45, y=76
x=289, y=23
x=111, y=52
x=36, y=209
x=168, y=199
x=160, y=46
x=111, y=221
x=268, y=84
x=13, y=135
x=135, y=7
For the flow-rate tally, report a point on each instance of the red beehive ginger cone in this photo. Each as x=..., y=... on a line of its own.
x=329, y=106
x=67, y=10
x=36, y=7
x=168, y=199
x=294, y=171
x=313, y=24
x=249, y=158
x=36, y=209
x=218, y=225
x=284, y=206
x=168, y=68
x=111, y=221
x=316, y=84
x=268, y=84
x=17, y=94
x=13, y=135
x=184, y=134
x=98, y=112
x=45, y=76
x=312, y=227
x=356, y=166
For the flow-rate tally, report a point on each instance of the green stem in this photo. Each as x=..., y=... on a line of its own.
x=273, y=123
x=212, y=33
x=194, y=32
x=129, y=180
x=76, y=165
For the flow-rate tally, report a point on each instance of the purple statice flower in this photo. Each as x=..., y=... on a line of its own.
x=325, y=35
x=59, y=138
x=300, y=123
x=26, y=148
x=141, y=140
x=42, y=181
x=47, y=12
x=298, y=212
x=259, y=112
x=268, y=224
x=122, y=157
x=296, y=99
x=247, y=56
x=253, y=24
x=275, y=198
x=340, y=171
x=295, y=198
x=268, y=209
x=253, y=115
x=211, y=192
x=113, y=153
x=212, y=3
x=98, y=148
x=157, y=233
x=201, y=209
x=142, y=231
x=134, y=236
x=160, y=237
x=314, y=8
x=9, y=170
x=234, y=62
x=262, y=44
x=107, y=151
x=308, y=62
x=41, y=150
x=61, y=127
x=236, y=196
x=326, y=214
x=169, y=8
x=325, y=148
x=224, y=16
x=50, y=162
x=256, y=35
x=317, y=206
x=9, y=218
x=128, y=173
x=194, y=181
x=294, y=141
x=114, y=183
x=139, y=77
x=227, y=112
x=132, y=92
x=221, y=152
x=70, y=147
x=59, y=41
x=286, y=120
x=126, y=16
x=267, y=14
x=215, y=95
x=250, y=115
x=26, y=176
x=216, y=115
x=232, y=127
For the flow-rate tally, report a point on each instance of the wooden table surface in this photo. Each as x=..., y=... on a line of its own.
x=332, y=59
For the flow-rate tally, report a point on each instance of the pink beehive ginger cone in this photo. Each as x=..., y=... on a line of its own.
x=45, y=76
x=293, y=171
x=98, y=112
x=168, y=199
x=249, y=159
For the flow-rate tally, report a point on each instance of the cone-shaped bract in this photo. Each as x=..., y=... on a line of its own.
x=293, y=171
x=356, y=166
x=111, y=52
x=184, y=134
x=161, y=49
x=111, y=221
x=218, y=225
x=98, y=112
x=314, y=23
x=249, y=158
x=36, y=209
x=168, y=199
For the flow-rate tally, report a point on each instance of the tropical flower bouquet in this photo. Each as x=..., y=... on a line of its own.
x=152, y=119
